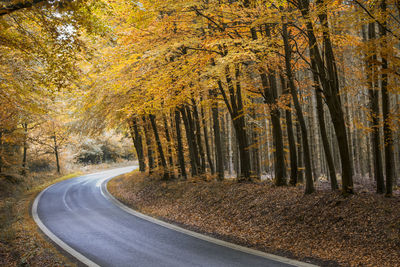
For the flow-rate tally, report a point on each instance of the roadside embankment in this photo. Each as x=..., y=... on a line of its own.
x=359, y=230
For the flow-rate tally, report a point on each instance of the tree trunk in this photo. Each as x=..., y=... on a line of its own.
x=329, y=81
x=166, y=174
x=137, y=142
x=299, y=154
x=181, y=157
x=168, y=137
x=306, y=149
x=217, y=138
x=270, y=92
x=373, y=94
x=292, y=142
x=205, y=132
x=56, y=152
x=25, y=126
x=189, y=139
x=198, y=137
x=196, y=148
x=387, y=131
x=235, y=107
x=150, y=158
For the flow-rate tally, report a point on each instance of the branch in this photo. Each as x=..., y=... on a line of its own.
x=372, y=17
x=11, y=8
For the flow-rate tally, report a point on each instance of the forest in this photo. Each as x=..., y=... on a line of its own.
x=298, y=92
x=273, y=124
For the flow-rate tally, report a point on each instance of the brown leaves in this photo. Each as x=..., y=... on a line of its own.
x=359, y=230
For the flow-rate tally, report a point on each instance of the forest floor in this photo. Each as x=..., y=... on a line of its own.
x=324, y=228
x=21, y=242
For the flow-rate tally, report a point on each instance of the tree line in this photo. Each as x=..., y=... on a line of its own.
x=295, y=89
x=298, y=91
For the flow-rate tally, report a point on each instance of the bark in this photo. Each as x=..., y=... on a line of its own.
x=150, y=157
x=189, y=139
x=387, y=131
x=181, y=157
x=198, y=137
x=206, y=142
x=219, y=162
x=324, y=137
x=165, y=170
x=270, y=94
x=373, y=94
x=291, y=140
x=25, y=126
x=327, y=74
x=235, y=108
x=299, y=154
x=168, y=137
x=56, y=153
x=196, y=148
x=304, y=137
x=138, y=144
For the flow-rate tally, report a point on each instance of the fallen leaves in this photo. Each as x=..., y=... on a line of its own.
x=360, y=230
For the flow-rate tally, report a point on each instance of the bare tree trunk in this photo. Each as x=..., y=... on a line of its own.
x=329, y=81
x=373, y=94
x=291, y=140
x=137, y=142
x=166, y=174
x=150, y=158
x=25, y=127
x=217, y=138
x=189, y=139
x=56, y=152
x=206, y=141
x=387, y=131
x=198, y=137
x=306, y=149
x=181, y=157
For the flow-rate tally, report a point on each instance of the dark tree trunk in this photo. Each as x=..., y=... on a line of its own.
x=181, y=157
x=166, y=174
x=198, y=137
x=189, y=139
x=330, y=85
x=299, y=154
x=375, y=113
x=137, y=142
x=387, y=131
x=219, y=157
x=196, y=149
x=150, y=158
x=304, y=136
x=56, y=153
x=25, y=126
x=255, y=146
x=324, y=137
x=236, y=111
x=270, y=93
x=291, y=140
x=206, y=142
x=168, y=137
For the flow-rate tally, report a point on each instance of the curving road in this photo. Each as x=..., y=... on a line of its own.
x=82, y=218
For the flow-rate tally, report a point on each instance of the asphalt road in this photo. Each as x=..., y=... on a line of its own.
x=78, y=216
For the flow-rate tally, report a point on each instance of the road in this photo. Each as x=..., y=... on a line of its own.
x=78, y=215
